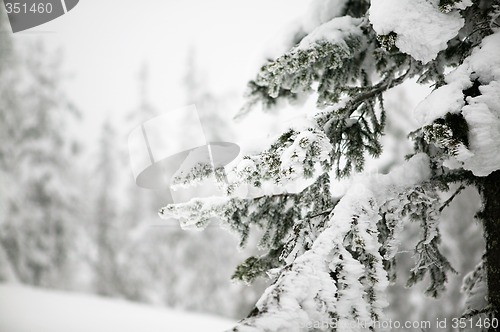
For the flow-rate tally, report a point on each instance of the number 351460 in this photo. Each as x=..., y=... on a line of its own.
x=35, y=8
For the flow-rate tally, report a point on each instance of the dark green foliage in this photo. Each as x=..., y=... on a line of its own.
x=433, y=73
x=293, y=223
x=199, y=172
x=450, y=133
x=306, y=148
x=473, y=91
x=353, y=134
x=254, y=267
x=388, y=42
x=356, y=8
x=447, y=5
x=310, y=226
x=260, y=93
x=459, y=127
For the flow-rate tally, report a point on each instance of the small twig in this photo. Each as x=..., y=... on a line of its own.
x=321, y=213
x=452, y=197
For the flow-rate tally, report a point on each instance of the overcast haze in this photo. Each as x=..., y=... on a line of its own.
x=104, y=44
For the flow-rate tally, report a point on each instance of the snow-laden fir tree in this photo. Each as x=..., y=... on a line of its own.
x=38, y=204
x=106, y=228
x=8, y=194
x=331, y=258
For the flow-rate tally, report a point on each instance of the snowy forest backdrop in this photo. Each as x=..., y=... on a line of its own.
x=72, y=217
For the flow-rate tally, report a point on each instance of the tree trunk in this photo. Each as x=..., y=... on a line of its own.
x=491, y=219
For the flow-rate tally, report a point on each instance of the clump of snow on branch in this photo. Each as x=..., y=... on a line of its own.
x=447, y=99
x=334, y=31
x=482, y=112
x=413, y=172
x=483, y=64
x=402, y=17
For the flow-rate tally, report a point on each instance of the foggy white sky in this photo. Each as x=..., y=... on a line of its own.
x=104, y=43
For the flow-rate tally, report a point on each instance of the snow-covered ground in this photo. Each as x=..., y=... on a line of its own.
x=24, y=309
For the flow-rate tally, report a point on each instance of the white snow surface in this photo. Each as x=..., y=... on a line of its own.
x=482, y=112
x=25, y=309
x=447, y=99
x=422, y=29
x=334, y=31
x=483, y=118
x=413, y=172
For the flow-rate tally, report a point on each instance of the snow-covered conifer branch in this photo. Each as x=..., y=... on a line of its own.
x=332, y=61
x=328, y=50
x=280, y=216
x=340, y=277
x=295, y=154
